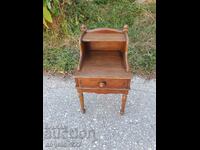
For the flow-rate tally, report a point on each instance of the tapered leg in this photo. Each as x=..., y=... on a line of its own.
x=123, y=104
x=81, y=98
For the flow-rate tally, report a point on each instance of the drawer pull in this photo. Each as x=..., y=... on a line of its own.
x=102, y=84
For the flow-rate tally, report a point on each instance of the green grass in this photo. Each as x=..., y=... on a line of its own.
x=60, y=59
x=61, y=51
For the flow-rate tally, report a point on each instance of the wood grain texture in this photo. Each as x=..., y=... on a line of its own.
x=81, y=98
x=104, y=45
x=108, y=83
x=123, y=104
x=126, y=52
x=94, y=37
x=82, y=47
x=104, y=30
x=103, y=65
x=103, y=91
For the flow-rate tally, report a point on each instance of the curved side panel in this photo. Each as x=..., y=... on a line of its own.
x=126, y=52
x=104, y=30
x=81, y=51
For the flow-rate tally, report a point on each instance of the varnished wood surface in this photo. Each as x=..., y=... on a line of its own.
x=104, y=30
x=105, y=46
x=103, y=91
x=123, y=103
x=81, y=98
x=103, y=64
x=108, y=83
x=95, y=37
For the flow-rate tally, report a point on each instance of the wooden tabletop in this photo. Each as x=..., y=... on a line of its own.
x=103, y=64
x=104, y=37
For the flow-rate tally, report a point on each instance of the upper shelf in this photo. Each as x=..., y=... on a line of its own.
x=95, y=37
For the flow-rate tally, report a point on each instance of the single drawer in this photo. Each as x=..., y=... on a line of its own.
x=104, y=83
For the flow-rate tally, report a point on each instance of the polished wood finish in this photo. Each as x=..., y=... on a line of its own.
x=81, y=98
x=123, y=103
x=103, y=65
x=98, y=37
x=103, y=90
x=103, y=83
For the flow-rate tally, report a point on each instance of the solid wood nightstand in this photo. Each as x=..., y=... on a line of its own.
x=103, y=65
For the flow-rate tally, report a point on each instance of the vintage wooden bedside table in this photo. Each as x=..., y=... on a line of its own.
x=103, y=66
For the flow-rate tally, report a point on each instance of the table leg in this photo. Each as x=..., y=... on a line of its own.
x=123, y=104
x=81, y=98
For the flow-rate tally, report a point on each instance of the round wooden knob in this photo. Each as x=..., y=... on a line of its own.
x=83, y=28
x=102, y=84
x=125, y=29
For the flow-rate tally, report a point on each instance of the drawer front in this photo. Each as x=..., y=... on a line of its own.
x=104, y=83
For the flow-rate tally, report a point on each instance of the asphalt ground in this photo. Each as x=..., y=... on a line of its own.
x=101, y=127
